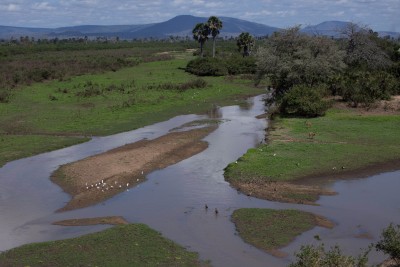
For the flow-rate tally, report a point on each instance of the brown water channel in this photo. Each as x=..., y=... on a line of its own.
x=172, y=200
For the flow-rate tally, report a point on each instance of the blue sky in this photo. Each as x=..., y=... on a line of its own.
x=379, y=15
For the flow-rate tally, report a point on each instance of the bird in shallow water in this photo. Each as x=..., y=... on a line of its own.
x=205, y=206
x=216, y=211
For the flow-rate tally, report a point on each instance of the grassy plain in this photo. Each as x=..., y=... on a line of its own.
x=270, y=229
x=344, y=141
x=125, y=245
x=107, y=103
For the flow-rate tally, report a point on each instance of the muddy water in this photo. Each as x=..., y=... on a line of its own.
x=172, y=200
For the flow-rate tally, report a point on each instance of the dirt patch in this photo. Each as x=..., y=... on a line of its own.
x=389, y=263
x=97, y=178
x=282, y=191
x=112, y=220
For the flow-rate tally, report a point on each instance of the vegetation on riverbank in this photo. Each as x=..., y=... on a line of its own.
x=107, y=103
x=125, y=245
x=326, y=147
x=272, y=229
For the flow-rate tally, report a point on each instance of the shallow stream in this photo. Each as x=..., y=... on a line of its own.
x=172, y=200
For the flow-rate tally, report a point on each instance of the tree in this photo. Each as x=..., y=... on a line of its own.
x=200, y=34
x=215, y=25
x=290, y=57
x=362, y=50
x=390, y=242
x=246, y=42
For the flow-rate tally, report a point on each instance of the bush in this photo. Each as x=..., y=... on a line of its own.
x=304, y=101
x=390, y=242
x=4, y=95
x=365, y=87
x=241, y=65
x=319, y=257
x=207, y=67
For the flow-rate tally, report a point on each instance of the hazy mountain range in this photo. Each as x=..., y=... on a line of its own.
x=178, y=26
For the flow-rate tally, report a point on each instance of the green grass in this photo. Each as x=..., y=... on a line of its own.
x=127, y=245
x=270, y=229
x=55, y=107
x=15, y=147
x=343, y=139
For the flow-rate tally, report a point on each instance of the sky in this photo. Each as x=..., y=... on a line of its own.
x=383, y=15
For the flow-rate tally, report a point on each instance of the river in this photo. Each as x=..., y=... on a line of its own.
x=172, y=199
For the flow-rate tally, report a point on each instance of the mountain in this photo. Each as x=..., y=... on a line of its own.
x=327, y=28
x=178, y=26
x=334, y=29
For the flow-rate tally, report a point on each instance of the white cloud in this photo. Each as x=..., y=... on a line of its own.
x=10, y=7
x=42, y=6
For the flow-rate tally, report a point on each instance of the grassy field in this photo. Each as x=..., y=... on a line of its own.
x=107, y=103
x=343, y=141
x=272, y=229
x=126, y=245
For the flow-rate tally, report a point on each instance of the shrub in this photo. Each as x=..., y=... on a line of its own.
x=365, y=88
x=319, y=257
x=241, y=65
x=207, y=67
x=390, y=242
x=305, y=101
x=5, y=94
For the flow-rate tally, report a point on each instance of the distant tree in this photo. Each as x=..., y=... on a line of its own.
x=245, y=41
x=362, y=50
x=290, y=57
x=214, y=25
x=200, y=34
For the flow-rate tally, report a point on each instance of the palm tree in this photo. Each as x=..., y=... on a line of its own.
x=215, y=24
x=245, y=41
x=200, y=34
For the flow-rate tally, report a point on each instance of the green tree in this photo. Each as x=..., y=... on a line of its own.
x=245, y=41
x=200, y=34
x=215, y=25
x=390, y=242
x=362, y=49
x=290, y=57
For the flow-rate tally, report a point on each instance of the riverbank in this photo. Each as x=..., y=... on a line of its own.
x=302, y=154
x=54, y=114
x=97, y=178
x=124, y=245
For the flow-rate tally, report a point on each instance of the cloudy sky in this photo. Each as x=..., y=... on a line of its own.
x=379, y=15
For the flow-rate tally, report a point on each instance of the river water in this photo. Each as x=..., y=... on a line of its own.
x=172, y=200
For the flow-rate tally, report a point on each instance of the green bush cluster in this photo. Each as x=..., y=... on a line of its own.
x=363, y=87
x=4, y=95
x=232, y=65
x=317, y=256
x=390, y=242
x=303, y=100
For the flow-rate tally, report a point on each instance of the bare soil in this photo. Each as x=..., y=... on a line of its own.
x=97, y=178
x=112, y=220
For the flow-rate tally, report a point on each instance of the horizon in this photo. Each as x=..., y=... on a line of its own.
x=83, y=25
x=378, y=15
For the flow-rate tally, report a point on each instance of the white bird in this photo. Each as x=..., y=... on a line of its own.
x=91, y=185
x=120, y=186
x=102, y=181
x=87, y=187
x=98, y=187
x=137, y=180
x=142, y=172
x=112, y=186
x=236, y=162
x=127, y=184
x=274, y=155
